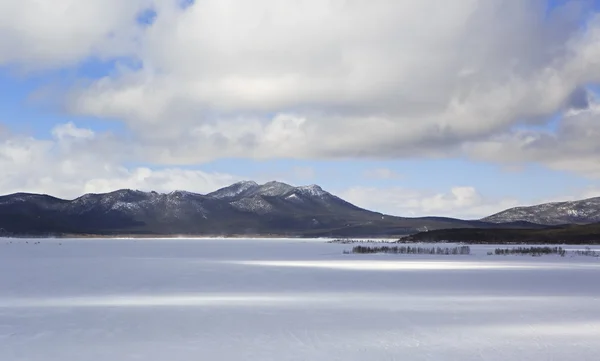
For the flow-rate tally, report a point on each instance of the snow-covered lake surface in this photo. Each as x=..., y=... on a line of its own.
x=225, y=299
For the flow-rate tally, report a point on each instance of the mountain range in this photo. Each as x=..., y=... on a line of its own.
x=245, y=209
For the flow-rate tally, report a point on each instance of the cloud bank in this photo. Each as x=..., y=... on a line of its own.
x=309, y=79
x=315, y=79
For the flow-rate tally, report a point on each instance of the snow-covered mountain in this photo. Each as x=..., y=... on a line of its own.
x=239, y=189
x=276, y=198
x=240, y=209
x=248, y=189
x=573, y=212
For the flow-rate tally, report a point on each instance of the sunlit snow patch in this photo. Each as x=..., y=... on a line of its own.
x=377, y=265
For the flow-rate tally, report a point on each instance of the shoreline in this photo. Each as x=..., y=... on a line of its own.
x=336, y=240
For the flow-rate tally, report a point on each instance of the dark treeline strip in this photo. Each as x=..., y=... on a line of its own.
x=461, y=250
x=587, y=252
x=531, y=250
x=538, y=251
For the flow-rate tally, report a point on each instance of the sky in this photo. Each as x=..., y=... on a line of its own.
x=410, y=108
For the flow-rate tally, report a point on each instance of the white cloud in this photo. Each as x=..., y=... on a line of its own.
x=78, y=161
x=70, y=131
x=320, y=79
x=460, y=201
x=572, y=147
x=64, y=168
x=47, y=34
x=163, y=180
x=457, y=202
x=314, y=79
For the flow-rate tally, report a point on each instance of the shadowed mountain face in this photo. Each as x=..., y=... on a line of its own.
x=244, y=208
x=574, y=212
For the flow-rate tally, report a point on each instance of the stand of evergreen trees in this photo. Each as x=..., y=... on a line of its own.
x=534, y=251
x=461, y=250
x=587, y=252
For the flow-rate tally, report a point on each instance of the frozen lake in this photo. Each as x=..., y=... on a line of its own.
x=224, y=299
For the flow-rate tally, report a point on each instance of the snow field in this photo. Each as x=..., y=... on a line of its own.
x=275, y=299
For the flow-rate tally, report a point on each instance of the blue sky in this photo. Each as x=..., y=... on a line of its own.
x=461, y=117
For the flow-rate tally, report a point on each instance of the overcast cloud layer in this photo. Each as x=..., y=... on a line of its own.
x=308, y=79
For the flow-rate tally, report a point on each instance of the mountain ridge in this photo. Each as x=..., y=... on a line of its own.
x=584, y=211
x=246, y=207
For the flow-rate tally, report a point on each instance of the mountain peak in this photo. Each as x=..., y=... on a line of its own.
x=177, y=193
x=274, y=188
x=312, y=190
x=126, y=192
x=235, y=190
x=245, y=183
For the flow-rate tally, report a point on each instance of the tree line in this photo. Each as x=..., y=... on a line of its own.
x=460, y=250
x=534, y=251
x=538, y=251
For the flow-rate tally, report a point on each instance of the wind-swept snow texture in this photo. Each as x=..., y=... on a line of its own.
x=224, y=299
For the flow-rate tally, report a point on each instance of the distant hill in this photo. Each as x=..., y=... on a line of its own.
x=574, y=212
x=241, y=209
x=567, y=234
